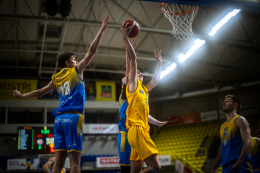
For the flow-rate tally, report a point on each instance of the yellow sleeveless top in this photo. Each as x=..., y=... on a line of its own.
x=138, y=109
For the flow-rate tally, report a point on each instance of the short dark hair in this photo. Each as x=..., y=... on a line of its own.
x=63, y=57
x=235, y=100
x=249, y=126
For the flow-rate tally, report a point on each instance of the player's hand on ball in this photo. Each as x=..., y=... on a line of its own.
x=104, y=23
x=161, y=123
x=16, y=93
x=124, y=29
x=130, y=42
x=157, y=55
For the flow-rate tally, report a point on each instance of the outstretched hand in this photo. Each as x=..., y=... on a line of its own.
x=130, y=42
x=104, y=23
x=157, y=55
x=162, y=123
x=16, y=93
x=124, y=30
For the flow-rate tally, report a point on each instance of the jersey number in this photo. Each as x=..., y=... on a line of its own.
x=65, y=90
x=146, y=101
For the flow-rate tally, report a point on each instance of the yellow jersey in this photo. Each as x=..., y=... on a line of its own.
x=138, y=108
x=255, y=154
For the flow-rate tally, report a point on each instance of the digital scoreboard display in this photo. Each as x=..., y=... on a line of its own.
x=36, y=138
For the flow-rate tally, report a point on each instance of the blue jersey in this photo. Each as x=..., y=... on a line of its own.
x=71, y=90
x=231, y=143
x=255, y=154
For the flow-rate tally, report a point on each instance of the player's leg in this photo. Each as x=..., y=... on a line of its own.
x=59, y=145
x=60, y=157
x=154, y=164
x=74, y=140
x=136, y=166
x=74, y=162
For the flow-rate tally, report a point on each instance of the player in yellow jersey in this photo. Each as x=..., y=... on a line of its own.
x=69, y=84
x=235, y=140
x=143, y=148
x=255, y=153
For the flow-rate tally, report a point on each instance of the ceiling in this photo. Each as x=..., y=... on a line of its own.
x=31, y=42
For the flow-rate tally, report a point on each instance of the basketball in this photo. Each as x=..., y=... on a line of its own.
x=134, y=30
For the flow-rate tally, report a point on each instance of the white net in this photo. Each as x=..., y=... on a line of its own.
x=181, y=18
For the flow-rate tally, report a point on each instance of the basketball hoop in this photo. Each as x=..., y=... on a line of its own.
x=181, y=18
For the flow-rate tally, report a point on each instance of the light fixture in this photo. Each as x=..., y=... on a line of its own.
x=197, y=44
x=223, y=21
x=168, y=70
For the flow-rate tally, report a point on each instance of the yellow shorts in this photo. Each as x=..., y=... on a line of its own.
x=141, y=143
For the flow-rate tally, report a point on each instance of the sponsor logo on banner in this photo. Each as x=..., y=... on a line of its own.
x=191, y=118
x=179, y=166
x=165, y=160
x=106, y=91
x=173, y=120
x=207, y=116
x=14, y=164
x=103, y=128
x=22, y=85
x=105, y=162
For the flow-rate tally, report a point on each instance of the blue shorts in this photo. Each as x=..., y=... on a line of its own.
x=68, y=133
x=124, y=149
x=246, y=167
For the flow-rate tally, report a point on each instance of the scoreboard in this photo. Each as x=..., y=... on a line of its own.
x=36, y=138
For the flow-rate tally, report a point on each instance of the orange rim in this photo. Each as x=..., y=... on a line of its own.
x=177, y=13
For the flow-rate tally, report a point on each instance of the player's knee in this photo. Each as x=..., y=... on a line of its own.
x=75, y=167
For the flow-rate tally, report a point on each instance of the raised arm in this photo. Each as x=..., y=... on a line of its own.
x=93, y=48
x=34, y=94
x=127, y=65
x=154, y=121
x=243, y=126
x=132, y=78
x=156, y=77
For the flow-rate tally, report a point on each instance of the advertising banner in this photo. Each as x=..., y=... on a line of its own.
x=191, y=118
x=106, y=91
x=173, y=120
x=210, y=115
x=165, y=160
x=22, y=85
x=103, y=128
x=106, y=162
x=16, y=164
x=179, y=166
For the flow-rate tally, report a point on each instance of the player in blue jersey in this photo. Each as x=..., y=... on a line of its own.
x=124, y=148
x=235, y=139
x=69, y=84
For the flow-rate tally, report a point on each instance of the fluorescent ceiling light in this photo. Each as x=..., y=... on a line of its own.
x=197, y=44
x=223, y=21
x=168, y=70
